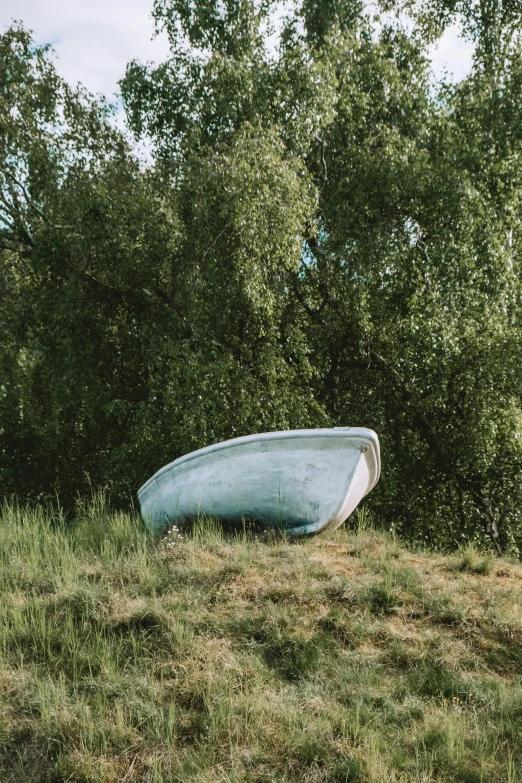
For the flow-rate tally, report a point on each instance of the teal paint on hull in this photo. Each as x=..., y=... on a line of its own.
x=303, y=480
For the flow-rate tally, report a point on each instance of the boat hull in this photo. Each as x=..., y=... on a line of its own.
x=303, y=480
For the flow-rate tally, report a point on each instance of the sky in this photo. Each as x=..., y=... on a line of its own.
x=95, y=39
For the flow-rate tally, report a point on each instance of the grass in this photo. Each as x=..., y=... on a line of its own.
x=245, y=656
x=476, y=562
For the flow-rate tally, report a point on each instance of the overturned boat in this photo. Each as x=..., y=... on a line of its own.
x=305, y=481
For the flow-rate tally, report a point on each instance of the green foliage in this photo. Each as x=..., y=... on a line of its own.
x=325, y=236
x=153, y=318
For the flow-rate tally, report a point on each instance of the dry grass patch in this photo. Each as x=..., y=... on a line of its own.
x=243, y=656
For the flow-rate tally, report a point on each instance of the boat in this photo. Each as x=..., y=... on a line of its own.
x=304, y=481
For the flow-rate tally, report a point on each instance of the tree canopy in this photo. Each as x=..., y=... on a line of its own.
x=326, y=235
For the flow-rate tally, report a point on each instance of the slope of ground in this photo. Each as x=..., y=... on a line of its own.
x=238, y=657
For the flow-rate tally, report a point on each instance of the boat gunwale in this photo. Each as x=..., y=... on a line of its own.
x=331, y=432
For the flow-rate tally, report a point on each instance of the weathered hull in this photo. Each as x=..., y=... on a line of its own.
x=303, y=480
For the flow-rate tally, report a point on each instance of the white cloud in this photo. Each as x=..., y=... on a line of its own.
x=453, y=55
x=93, y=39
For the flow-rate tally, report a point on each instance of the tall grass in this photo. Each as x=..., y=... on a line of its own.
x=233, y=655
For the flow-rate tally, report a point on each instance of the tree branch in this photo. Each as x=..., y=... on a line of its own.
x=312, y=312
x=322, y=142
x=30, y=201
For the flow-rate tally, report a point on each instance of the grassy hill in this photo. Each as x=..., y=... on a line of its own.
x=247, y=657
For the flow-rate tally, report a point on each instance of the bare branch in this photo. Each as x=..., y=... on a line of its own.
x=214, y=243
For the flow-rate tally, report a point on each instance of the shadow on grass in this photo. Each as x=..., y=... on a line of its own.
x=293, y=657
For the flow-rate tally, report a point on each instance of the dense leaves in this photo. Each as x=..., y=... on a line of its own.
x=325, y=236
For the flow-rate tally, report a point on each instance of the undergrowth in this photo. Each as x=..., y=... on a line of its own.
x=245, y=656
